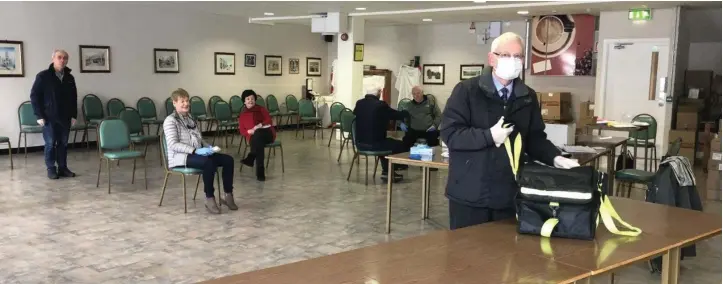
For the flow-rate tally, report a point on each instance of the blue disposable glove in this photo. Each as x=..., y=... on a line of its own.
x=403, y=127
x=205, y=151
x=431, y=128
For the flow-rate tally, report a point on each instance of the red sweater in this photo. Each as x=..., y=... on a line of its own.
x=251, y=117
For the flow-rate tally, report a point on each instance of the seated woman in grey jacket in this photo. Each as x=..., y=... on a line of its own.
x=186, y=148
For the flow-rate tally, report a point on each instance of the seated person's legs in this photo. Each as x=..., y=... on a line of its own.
x=410, y=137
x=258, y=142
x=396, y=147
x=208, y=167
x=226, y=163
x=432, y=138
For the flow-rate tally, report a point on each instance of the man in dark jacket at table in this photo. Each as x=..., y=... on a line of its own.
x=481, y=186
x=54, y=97
x=372, y=121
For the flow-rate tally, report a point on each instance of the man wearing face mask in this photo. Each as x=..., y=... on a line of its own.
x=481, y=186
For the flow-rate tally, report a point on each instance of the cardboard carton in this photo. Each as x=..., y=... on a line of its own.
x=585, y=114
x=556, y=106
x=687, y=136
x=686, y=120
x=701, y=80
x=688, y=153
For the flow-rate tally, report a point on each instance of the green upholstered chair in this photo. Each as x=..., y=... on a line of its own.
x=260, y=101
x=335, y=115
x=169, y=106
x=114, y=144
x=270, y=146
x=292, y=108
x=5, y=139
x=645, y=138
x=346, y=117
x=198, y=110
x=224, y=121
x=114, y=107
x=92, y=109
x=28, y=123
x=183, y=172
x=402, y=105
x=432, y=98
x=366, y=154
x=212, y=102
x=134, y=122
x=628, y=177
x=147, y=109
x=237, y=104
x=272, y=105
x=307, y=115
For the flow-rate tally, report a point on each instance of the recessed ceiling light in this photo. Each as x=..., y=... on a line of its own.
x=360, y=9
x=523, y=12
x=554, y=11
x=426, y=20
x=268, y=14
x=479, y=1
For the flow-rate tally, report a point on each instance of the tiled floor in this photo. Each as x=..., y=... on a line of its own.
x=69, y=231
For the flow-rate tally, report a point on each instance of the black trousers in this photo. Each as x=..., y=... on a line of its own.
x=258, y=142
x=388, y=144
x=461, y=215
x=209, y=164
x=412, y=136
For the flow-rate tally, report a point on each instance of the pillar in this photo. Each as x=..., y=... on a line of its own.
x=348, y=73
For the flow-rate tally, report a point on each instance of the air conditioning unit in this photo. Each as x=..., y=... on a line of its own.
x=329, y=23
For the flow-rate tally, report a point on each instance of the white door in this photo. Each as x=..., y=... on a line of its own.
x=626, y=82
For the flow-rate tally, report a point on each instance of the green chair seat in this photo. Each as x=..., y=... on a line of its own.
x=95, y=121
x=78, y=126
x=276, y=143
x=641, y=143
x=31, y=129
x=4, y=139
x=229, y=123
x=336, y=126
x=143, y=138
x=204, y=117
x=310, y=119
x=119, y=155
x=634, y=175
x=187, y=171
x=375, y=153
x=151, y=120
x=275, y=113
x=289, y=112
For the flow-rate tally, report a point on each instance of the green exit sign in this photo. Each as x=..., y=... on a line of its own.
x=640, y=14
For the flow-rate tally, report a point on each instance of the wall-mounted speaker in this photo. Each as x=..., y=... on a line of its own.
x=328, y=38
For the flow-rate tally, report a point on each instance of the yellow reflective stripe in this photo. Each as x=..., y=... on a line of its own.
x=609, y=216
x=513, y=152
x=546, y=247
x=555, y=204
x=547, y=228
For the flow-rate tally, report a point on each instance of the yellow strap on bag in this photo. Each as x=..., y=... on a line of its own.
x=609, y=216
x=514, y=153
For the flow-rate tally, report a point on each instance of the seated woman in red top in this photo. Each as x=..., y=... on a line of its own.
x=255, y=124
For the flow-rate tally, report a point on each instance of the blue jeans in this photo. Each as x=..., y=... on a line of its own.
x=56, y=144
x=209, y=164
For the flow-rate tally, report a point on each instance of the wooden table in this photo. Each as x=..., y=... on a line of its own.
x=611, y=144
x=439, y=162
x=495, y=253
x=601, y=127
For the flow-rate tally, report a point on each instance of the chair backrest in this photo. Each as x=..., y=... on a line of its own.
x=272, y=105
x=260, y=101
x=223, y=111
x=432, y=98
x=212, y=102
x=146, y=108
x=198, y=107
x=306, y=108
x=164, y=150
x=92, y=107
x=237, y=104
x=346, y=118
x=291, y=103
x=115, y=106
x=652, y=127
x=133, y=120
x=113, y=135
x=169, y=106
x=353, y=131
x=335, y=112
x=403, y=104
x=26, y=115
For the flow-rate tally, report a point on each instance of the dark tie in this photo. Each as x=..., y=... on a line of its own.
x=504, y=92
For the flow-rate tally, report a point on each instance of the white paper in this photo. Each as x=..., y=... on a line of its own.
x=693, y=93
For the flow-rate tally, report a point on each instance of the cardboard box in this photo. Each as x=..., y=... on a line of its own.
x=555, y=99
x=715, y=145
x=713, y=181
x=713, y=194
x=556, y=106
x=560, y=134
x=686, y=120
x=585, y=114
x=688, y=153
x=687, y=136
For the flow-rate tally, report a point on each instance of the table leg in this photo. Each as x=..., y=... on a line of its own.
x=584, y=281
x=389, y=196
x=671, y=266
x=611, y=172
x=612, y=278
x=424, y=192
x=645, y=149
x=429, y=182
x=635, y=153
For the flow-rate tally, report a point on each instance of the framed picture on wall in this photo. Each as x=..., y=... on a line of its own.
x=313, y=67
x=166, y=60
x=433, y=74
x=293, y=66
x=225, y=63
x=94, y=59
x=11, y=59
x=358, y=52
x=272, y=65
x=467, y=71
x=250, y=60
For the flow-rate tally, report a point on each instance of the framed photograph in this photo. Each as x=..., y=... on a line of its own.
x=470, y=71
x=250, y=60
x=11, y=59
x=272, y=65
x=293, y=66
x=313, y=67
x=358, y=52
x=94, y=59
x=433, y=74
x=225, y=63
x=166, y=60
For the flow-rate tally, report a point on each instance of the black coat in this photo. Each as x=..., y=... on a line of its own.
x=479, y=172
x=53, y=100
x=372, y=121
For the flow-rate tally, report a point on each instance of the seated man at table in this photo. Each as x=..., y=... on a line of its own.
x=372, y=121
x=424, y=119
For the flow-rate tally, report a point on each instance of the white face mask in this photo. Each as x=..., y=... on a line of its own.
x=508, y=68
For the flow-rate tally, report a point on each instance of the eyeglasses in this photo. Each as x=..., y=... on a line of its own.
x=505, y=55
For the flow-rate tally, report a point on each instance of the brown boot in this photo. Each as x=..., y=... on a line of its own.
x=229, y=202
x=211, y=206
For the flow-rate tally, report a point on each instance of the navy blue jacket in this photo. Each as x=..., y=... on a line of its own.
x=53, y=100
x=372, y=121
x=479, y=172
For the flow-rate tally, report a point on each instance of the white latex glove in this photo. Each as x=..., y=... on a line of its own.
x=72, y=121
x=565, y=163
x=41, y=122
x=499, y=134
x=258, y=126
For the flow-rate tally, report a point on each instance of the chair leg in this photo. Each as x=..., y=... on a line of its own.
x=160, y=154
x=283, y=170
x=100, y=166
x=198, y=181
x=163, y=189
x=145, y=173
x=321, y=132
x=376, y=163
x=185, y=202
x=351, y=166
x=25, y=144
x=366, y=170
x=331, y=134
x=133, y=172
x=630, y=188
x=268, y=158
x=340, y=150
x=10, y=153
x=108, y=164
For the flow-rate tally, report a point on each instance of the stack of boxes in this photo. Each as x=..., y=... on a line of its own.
x=555, y=107
x=713, y=184
x=585, y=115
x=686, y=128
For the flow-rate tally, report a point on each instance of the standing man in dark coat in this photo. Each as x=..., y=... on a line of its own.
x=481, y=186
x=55, y=101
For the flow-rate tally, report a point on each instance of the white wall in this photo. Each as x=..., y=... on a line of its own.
x=133, y=29
x=388, y=48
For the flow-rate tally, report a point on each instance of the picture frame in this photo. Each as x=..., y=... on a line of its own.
x=12, y=59
x=467, y=71
x=249, y=60
x=224, y=63
x=273, y=65
x=433, y=74
x=358, y=52
x=94, y=58
x=166, y=60
x=313, y=67
x=293, y=66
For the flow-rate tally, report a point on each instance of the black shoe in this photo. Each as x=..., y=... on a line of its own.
x=261, y=177
x=397, y=177
x=249, y=160
x=52, y=173
x=65, y=172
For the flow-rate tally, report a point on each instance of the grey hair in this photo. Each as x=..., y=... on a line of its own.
x=504, y=38
x=59, y=50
